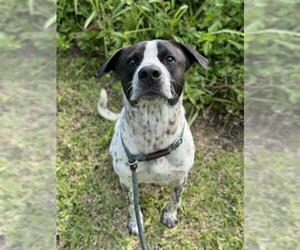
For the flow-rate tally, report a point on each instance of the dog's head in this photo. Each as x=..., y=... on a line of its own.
x=153, y=70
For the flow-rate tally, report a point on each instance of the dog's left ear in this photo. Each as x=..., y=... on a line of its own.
x=109, y=64
x=193, y=56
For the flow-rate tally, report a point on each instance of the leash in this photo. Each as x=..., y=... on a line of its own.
x=135, y=185
x=133, y=161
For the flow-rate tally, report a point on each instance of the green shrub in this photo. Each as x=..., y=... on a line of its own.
x=215, y=28
x=27, y=24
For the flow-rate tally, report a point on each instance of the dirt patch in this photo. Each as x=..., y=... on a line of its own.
x=208, y=135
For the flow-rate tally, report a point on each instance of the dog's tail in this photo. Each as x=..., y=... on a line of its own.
x=103, y=109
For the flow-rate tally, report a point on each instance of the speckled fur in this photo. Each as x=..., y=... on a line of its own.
x=145, y=131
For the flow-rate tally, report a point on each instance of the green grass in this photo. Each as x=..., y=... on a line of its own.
x=27, y=152
x=27, y=124
x=92, y=211
x=272, y=200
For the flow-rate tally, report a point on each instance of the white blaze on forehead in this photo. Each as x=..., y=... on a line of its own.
x=150, y=53
x=150, y=57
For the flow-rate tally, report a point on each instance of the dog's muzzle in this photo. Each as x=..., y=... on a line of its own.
x=151, y=81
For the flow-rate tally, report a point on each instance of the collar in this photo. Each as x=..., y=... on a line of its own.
x=134, y=159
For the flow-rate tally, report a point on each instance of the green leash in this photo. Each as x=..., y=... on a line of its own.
x=135, y=186
x=133, y=163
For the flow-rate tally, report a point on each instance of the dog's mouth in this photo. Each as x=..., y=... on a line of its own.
x=150, y=95
x=153, y=95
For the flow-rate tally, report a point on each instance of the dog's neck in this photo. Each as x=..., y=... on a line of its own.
x=152, y=126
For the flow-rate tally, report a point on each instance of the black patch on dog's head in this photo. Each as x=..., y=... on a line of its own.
x=192, y=56
x=178, y=58
x=124, y=63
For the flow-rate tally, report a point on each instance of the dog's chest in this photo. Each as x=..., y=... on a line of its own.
x=147, y=131
x=150, y=128
x=163, y=170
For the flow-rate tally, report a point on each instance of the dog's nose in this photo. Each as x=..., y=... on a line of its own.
x=149, y=74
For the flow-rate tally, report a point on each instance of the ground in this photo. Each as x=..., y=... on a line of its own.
x=27, y=150
x=92, y=210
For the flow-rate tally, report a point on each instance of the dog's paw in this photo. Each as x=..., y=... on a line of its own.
x=133, y=227
x=169, y=219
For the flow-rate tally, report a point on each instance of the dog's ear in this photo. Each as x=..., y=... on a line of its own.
x=109, y=64
x=193, y=56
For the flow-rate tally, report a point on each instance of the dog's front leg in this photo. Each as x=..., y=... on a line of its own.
x=169, y=217
x=132, y=223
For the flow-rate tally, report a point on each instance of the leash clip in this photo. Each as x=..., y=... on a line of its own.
x=177, y=142
x=133, y=165
x=133, y=160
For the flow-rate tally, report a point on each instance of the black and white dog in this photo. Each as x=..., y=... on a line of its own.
x=152, y=77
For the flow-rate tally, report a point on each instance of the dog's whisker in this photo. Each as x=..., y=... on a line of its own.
x=128, y=89
x=155, y=91
x=180, y=84
x=127, y=83
x=173, y=92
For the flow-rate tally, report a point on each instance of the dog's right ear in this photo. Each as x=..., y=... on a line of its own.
x=192, y=55
x=109, y=64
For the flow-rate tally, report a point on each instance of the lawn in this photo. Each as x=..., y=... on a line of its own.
x=92, y=210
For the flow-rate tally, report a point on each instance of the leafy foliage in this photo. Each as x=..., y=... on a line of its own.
x=272, y=69
x=214, y=28
x=25, y=23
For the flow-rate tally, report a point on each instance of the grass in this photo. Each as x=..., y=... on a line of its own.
x=27, y=152
x=272, y=201
x=92, y=211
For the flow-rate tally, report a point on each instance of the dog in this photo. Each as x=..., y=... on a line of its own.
x=152, y=76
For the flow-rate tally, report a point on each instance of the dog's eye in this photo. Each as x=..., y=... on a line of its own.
x=170, y=59
x=132, y=62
